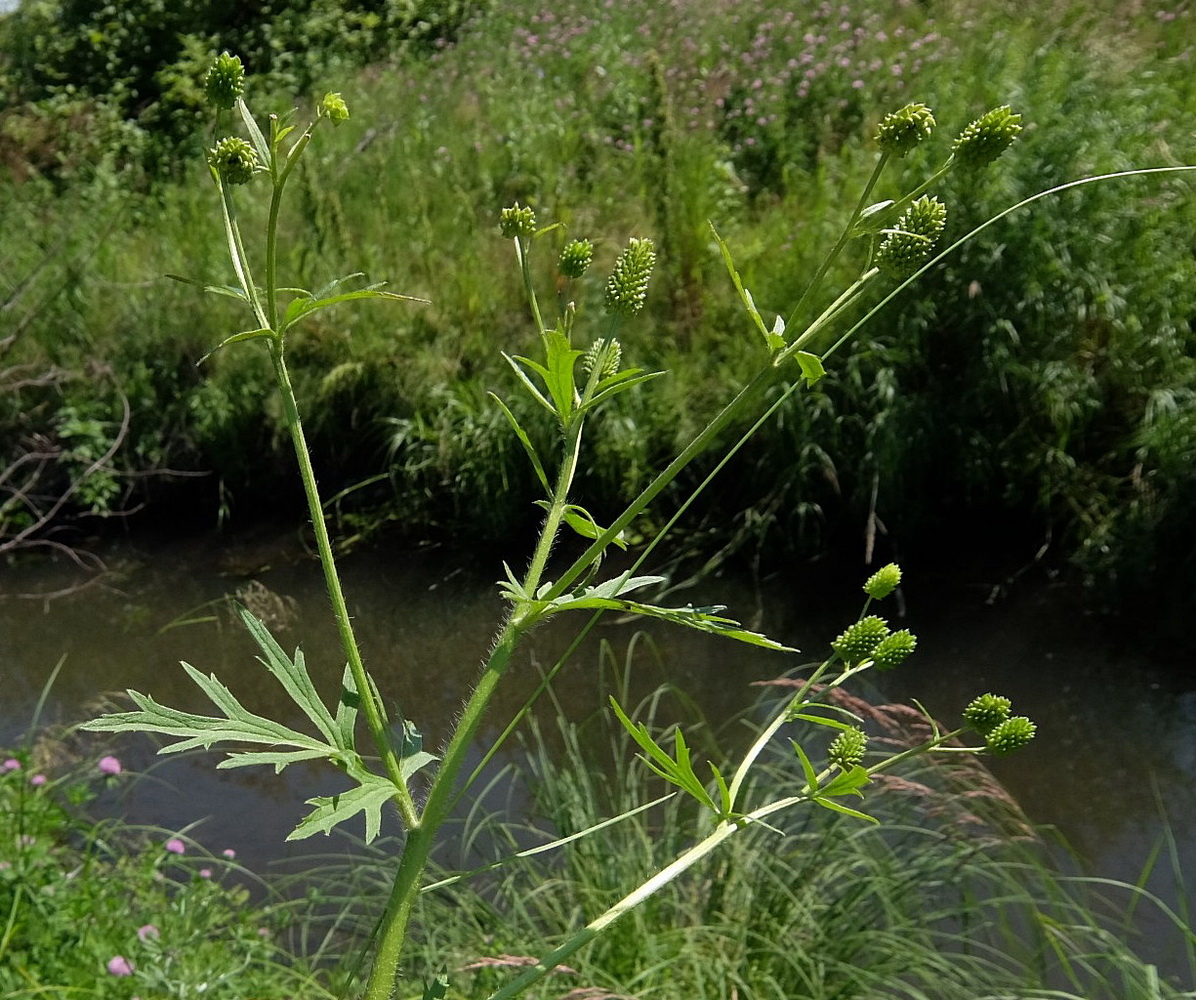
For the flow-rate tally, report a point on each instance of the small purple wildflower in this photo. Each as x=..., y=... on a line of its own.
x=109, y=766
x=12, y=764
x=38, y=780
x=205, y=873
x=118, y=965
x=229, y=853
x=147, y=931
x=175, y=846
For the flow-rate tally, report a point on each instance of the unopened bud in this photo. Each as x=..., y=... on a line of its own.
x=1010, y=735
x=909, y=244
x=610, y=365
x=333, y=108
x=627, y=286
x=225, y=81
x=234, y=160
x=987, y=138
x=893, y=650
x=901, y=130
x=518, y=220
x=847, y=749
x=576, y=258
x=985, y=712
x=859, y=640
x=883, y=582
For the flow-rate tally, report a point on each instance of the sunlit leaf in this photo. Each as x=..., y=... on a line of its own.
x=368, y=797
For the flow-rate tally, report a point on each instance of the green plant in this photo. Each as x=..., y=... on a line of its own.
x=95, y=907
x=571, y=383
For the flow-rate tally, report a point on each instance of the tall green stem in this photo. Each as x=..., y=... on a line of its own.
x=421, y=837
x=373, y=710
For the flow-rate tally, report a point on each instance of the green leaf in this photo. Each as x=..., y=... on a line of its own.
x=524, y=440
x=621, y=382
x=528, y=384
x=255, y=133
x=236, y=338
x=874, y=218
x=744, y=295
x=840, y=808
x=232, y=291
x=811, y=366
x=294, y=678
x=368, y=797
x=847, y=782
x=562, y=358
x=701, y=619
x=298, y=308
x=581, y=521
x=806, y=766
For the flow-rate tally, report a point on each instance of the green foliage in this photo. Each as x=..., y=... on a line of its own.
x=108, y=910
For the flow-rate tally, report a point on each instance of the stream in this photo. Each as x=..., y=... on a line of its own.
x=1113, y=766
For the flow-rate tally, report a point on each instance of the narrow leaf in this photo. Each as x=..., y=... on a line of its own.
x=236, y=338
x=524, y=440
x=255, y=133
x=806, y=766
x=744, y=295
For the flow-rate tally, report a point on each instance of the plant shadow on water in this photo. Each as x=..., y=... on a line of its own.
x=1110, y=800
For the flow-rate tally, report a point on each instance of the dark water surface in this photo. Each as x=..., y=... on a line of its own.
x=1117, y=730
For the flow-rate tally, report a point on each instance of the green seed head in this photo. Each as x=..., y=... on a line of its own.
x=900, y=131
x=225, y=81
x=614, y=357
x=987, y=138
x=234, y=160
x=333, y=108
x=1012, y=734
x=847, y=749
x=883, y=582
x=894, y=649
x=986, y=712
x=627, y=286
x=518, y=220
x=576, y=257
x=859, y=640
x=910, y=243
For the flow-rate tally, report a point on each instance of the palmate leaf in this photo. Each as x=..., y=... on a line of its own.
x=283, y=746
x=369, y=796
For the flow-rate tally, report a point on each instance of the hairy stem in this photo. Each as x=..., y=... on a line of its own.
x=370, y=704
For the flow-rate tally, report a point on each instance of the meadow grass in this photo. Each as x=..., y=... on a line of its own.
x=955, y=893
x=1069, y=324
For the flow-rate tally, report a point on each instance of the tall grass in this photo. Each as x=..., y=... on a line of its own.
x=1070, y=325
x=954, y=894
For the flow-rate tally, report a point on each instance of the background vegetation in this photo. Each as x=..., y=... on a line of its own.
x=1036, y=394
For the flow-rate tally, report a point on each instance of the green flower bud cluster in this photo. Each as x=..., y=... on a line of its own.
x=859, y=640
x=518, y=220
x=333, y=108
x=910, y=243
x=614, y=357
x=883, y=582
x=234, y=160
x=988, y=715
x=576, y=258
x=902, y=130
x=870, y=639
x=987, y=138
x=627, y=286
x=847, y=749
x=225, y=81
